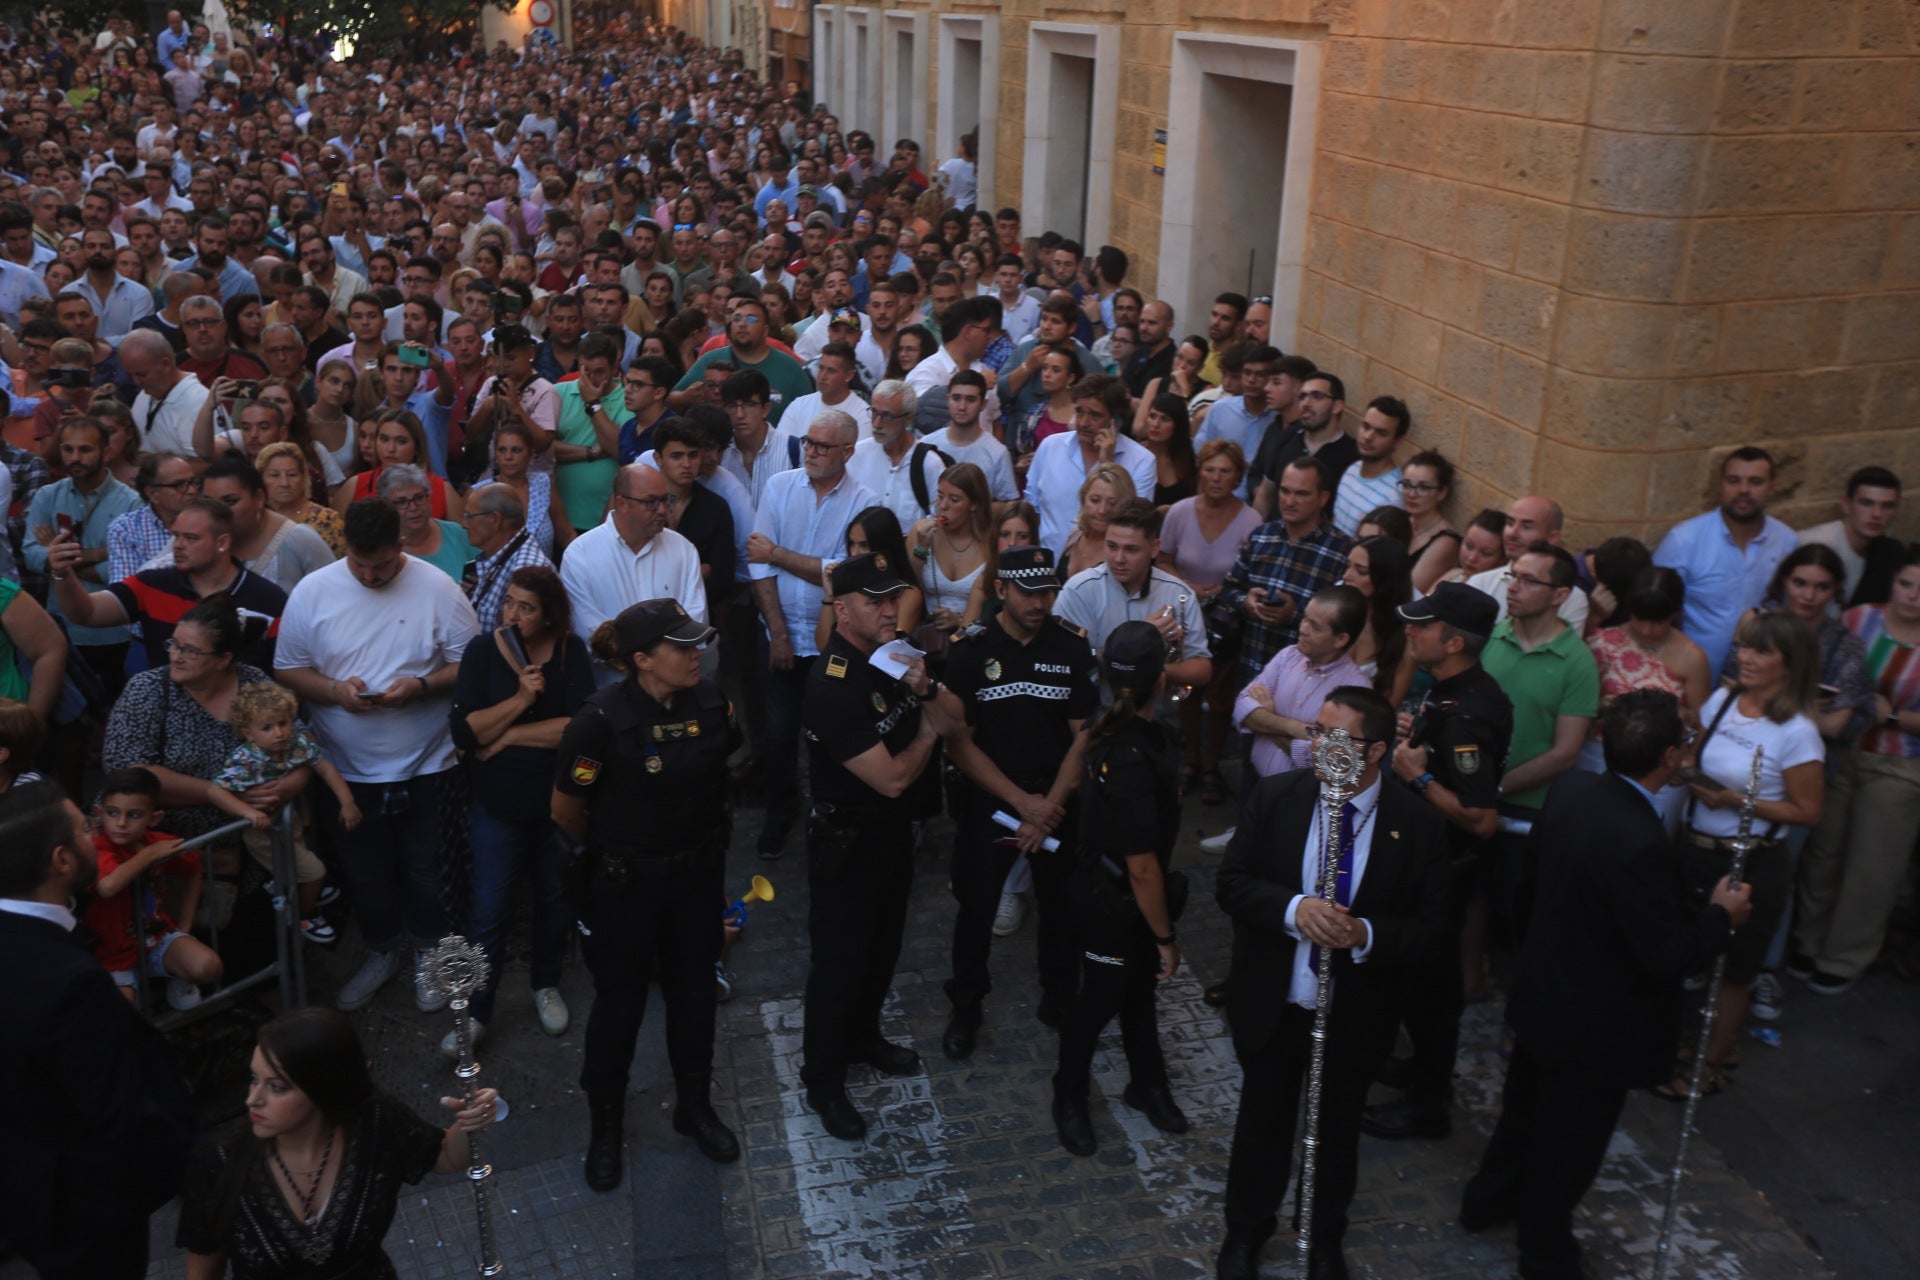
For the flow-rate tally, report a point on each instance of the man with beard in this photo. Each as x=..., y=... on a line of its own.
x=1314, y=432
x=210, y=251
x=87, y=1079
x=79, y=508
x=1727, y=557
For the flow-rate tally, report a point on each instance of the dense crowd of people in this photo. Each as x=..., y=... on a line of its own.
x=498, y=459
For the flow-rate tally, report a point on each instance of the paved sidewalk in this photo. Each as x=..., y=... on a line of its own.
x=962, y=1175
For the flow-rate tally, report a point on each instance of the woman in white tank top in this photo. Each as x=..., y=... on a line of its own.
x=952, y=543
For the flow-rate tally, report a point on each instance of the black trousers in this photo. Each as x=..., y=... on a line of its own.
x=1119, y=974
x=1273, y=1083
x=663, y=924
x=120, y=1254
x=1552, y=1135
x=980, y=866
x=855, y=923
x=1436, y=997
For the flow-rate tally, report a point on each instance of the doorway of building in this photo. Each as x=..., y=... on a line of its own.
x=1245, y=119
x=1070, y=108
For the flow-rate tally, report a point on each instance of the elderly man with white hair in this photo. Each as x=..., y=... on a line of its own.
x=903, y=471
x=169, y=401
x=632, y=556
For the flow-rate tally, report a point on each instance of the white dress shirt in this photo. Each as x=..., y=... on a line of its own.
x=169, y=424
x=1060, y=468
x=893, y=481
x=799, y=414
x=39, y=911
x=604, y=576
x=1304, y=989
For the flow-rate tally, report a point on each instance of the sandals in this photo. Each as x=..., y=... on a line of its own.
x=1214, y=790
x=1712, y=1081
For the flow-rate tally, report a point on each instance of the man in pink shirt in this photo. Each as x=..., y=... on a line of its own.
x=1278, y=706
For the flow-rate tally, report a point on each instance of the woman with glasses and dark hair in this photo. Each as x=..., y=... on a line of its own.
x=310, y=1185
x=1425, y=484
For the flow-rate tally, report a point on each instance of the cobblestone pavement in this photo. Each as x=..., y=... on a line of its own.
x=962, y=1175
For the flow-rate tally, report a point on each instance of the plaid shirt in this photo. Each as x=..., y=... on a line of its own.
x=29, y=473
x=489, y=575
x=1281, y=564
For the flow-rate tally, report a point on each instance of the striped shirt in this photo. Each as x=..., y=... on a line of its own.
x=1357, y=496
x=1895, y=673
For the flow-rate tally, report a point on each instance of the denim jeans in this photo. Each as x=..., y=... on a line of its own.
x=503, y=850
x=392, y=860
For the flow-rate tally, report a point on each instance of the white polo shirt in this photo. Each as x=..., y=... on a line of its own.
x=169, y=424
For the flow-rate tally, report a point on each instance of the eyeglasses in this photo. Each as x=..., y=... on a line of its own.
x=1265, y=299
x=1418, y=486
x=819, y=446
x=412, y=500
x=186, y=650
x=1542, y=583
x=747, y=320
x=655, y=503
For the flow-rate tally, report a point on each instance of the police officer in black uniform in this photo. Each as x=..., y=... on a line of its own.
x=1452, y=752
x=1028, y=682
x=640, y=800
x=869, y=737
x=1125, y=901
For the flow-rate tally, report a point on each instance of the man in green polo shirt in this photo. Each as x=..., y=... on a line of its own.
x=1548, y=673
x=747, y=349
x=586, y=444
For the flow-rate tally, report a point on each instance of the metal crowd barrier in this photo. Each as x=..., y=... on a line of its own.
x=289, y=966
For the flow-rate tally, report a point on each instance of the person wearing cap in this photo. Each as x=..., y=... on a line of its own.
x=869, y=737
x=1388, y=923
x=640, y=800
x=1124, y=901
x=1028, y=682
x=1451, y=752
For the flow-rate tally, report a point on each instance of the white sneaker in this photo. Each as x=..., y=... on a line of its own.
x=552, y=1010
x=182, y=994
x=1013, y=910
x=722, y=982
x=1766, y=999
x=1219, y=843
x=427, y=998
x=450, y=1043
x=374, y=974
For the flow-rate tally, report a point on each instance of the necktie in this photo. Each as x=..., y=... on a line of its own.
x=1343, y=880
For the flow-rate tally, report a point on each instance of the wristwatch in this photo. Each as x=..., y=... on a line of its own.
x=1420, y=784
x=1893, y=720
x=593, y=406
x=595, y=453
x=1167, y=941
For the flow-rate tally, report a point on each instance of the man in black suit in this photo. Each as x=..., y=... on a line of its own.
x=94, y=1120
x=1389, y=921
x=1595, y=1007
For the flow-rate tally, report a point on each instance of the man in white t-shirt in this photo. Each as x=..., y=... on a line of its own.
x=965, y=439
x=169, y=401
x=372, y=645
x=833, y=375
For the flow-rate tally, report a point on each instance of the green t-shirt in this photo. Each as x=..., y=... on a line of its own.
x=451, y=559
x=585, y=488
x=1558, y=678
x=13, y=681
x=783, y=373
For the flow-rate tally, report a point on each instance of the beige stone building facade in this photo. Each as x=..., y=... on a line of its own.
x=1591, y=242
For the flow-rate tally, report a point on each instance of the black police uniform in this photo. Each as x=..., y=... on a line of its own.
x=1466, y=723
x=1129, y=804
x=1019, y=701
x=649, y=888
x=859, y=859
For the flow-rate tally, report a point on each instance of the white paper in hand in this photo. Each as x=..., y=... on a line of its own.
x=895, y=657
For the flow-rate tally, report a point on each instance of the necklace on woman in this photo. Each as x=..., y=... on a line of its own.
x=312, y=1192
x=955, y=547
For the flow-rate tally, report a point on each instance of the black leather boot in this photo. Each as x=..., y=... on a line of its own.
x=606, y=1155
x=694, y=1116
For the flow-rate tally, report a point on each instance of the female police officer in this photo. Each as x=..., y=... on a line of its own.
x=1124, y=900
x=639, y=796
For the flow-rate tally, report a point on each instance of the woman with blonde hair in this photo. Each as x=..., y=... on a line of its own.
x=1106, y=487
x=953, y=543
x=289, y=491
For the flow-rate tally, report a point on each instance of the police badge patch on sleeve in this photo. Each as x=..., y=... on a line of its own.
x=585, y=770
x=1467, y=759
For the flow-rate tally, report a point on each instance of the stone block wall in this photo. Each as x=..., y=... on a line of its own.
x=1593, y=243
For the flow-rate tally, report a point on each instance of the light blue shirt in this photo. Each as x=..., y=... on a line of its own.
x=92, y=516
x=793, y=517
x=235, y=280
x=788, y=195
x=436, y=419
x=347, y=254
x=1229, y=420
x=1723, y=581
x=17, y=284
x=125, y=303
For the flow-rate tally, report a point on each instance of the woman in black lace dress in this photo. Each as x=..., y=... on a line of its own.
x=307, y=1189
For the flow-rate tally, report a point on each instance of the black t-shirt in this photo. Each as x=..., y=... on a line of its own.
x=1467, y=723
x=655, y=777
x=1144, y=368
x=158, y=598
x=708, y=524
x=1282, y=445
x=850, y=706
x=1020, y=697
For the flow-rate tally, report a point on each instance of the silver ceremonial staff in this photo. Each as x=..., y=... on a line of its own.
x=1339, y=762
x=460, y=968
x=1742, y=845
